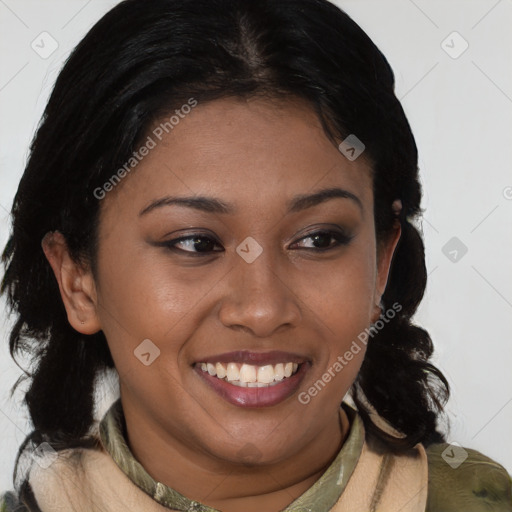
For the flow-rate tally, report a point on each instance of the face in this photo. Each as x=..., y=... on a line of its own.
x=264, y=275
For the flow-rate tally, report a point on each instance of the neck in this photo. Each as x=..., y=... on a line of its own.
x=234, y=487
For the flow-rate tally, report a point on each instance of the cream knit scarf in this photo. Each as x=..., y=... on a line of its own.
x=380, y=482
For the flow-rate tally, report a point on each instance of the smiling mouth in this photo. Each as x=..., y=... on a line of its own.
x=248, y=375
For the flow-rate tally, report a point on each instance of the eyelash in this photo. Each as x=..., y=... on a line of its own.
x=341, y=240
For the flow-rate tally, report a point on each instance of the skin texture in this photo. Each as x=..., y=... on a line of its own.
x=256, y=154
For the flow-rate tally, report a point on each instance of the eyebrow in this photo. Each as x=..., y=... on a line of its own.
x=214, y=205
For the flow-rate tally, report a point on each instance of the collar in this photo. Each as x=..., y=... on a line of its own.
x=320, y=497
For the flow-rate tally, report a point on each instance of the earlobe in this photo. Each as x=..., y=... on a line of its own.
x=76, y=284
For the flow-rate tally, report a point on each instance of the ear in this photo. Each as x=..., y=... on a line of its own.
x=76, y=284
x=386, y=249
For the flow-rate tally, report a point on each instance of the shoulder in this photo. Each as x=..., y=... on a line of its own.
x=463, y=478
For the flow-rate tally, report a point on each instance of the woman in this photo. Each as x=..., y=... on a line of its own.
x=215, y=209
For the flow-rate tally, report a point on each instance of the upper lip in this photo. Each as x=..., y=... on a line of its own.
x=255, y=358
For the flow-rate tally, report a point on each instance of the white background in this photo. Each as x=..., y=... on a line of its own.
x=460, y=110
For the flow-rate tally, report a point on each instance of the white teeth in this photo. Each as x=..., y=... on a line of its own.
x=239, y=384
x=221, y=371
x=248, y=375
x=279, y=372
x=259, y=384
x=266, y=374
x=232, y=373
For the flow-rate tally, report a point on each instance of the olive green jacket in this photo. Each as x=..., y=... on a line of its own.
x=364, y=477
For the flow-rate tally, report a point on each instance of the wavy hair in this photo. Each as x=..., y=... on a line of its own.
x=140, y=62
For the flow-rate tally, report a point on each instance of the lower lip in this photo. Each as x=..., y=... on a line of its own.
x=255, y=397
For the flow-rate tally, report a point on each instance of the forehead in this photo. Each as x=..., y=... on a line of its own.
x=255, y=152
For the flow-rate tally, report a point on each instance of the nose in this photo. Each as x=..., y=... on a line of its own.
x=259, y=299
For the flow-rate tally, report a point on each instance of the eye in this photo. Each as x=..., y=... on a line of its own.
x=200, y=244
x=324, y=237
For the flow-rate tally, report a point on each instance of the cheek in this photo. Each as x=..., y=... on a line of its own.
x=341, y=292
x=147, y=293
x=148, y=313
x=343, y=302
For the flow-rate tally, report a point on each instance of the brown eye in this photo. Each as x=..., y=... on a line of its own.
x=196, y=244
x=321, y=240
